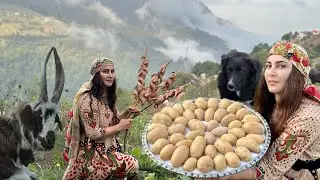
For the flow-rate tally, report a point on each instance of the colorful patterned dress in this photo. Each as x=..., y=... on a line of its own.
x=299, y=143
x=92, y=162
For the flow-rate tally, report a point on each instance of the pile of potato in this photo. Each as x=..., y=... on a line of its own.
x=205, y=134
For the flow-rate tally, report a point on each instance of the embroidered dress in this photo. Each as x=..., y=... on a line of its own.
x=92, y=161
x=300, y=141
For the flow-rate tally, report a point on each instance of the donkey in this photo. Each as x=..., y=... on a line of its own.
x=30, y=126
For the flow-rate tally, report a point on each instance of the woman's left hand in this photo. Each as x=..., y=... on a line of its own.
x=130, y=112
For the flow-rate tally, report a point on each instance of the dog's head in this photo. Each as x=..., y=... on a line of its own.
x=239, y=69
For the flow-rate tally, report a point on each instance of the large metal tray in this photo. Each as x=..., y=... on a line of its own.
x=229, y=171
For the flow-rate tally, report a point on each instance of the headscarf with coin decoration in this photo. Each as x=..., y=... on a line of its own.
x=298, y=56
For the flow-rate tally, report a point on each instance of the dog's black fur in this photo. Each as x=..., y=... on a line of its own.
x=239, y=76
x=315, y=75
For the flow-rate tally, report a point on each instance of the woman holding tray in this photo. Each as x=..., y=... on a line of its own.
x=291, y=104
x=92, y=149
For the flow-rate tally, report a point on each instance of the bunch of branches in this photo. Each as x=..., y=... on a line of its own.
x=156, y=91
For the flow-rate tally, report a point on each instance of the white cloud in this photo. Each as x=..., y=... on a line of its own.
x=177, y=49
x=95, y=38
x=106, y=13
x=74, y=2
x=270, y=17
x=101, y=10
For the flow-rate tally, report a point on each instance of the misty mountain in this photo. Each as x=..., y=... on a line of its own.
x=183, y=30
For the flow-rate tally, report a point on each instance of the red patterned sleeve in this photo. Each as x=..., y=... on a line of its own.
x=287, y=148
x=90, y=118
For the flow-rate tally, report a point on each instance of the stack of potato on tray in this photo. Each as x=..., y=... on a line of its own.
x=205, y=134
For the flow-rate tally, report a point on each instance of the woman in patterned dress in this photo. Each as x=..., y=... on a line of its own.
x=92, y=149
x=290, y=102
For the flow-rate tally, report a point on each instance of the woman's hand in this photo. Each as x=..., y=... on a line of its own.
x=130, y=112
x=124, y=124
x=301, y=174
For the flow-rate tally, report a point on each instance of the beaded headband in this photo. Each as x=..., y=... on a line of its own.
x=99, y=64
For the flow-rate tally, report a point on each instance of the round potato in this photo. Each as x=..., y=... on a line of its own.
x=158, y=145
x=179, y=156
x=242, y=112
x=219, y=114
x=190, y=164
x=212, y=103
x=173, y=113
x=197, y=125
x=175, y=138
x=223, y=146
x=249, y=143
x=167, y=151
x=197, y=147
x=224, y=103
x=191, y=122
x=210, y=138
x=219, y=131
x=238, y=132
x=188, y=104
x=232, y=159
x=178, y=107
x=184, y=142
x=234, y=107
x=205, y=164
x=232, y=139
x=162, y=119
x=177, y=128
x=212, y=124
x=209, y=114
x=181, y=120
x=256, y=137
x=235, y=124
x=152, y=126
x=250, y=118
x=201, y=103
x=191, y=135
x=199, y=114
x=165, y=110
x=253, y=128
x=211, y=151
x=220, y=162
x=188, y=114
x=227, y=119
x=243, y=153
x=156, y=134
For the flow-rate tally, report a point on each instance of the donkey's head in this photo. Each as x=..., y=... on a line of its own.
x=38, y=121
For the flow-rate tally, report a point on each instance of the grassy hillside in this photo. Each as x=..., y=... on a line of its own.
x=311, y=42
x=20, y=21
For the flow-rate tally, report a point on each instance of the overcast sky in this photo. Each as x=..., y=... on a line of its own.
x=270, y=17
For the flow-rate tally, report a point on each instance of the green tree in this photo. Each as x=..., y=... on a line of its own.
x=207, y=67
x=287, y=36
x=260, y=51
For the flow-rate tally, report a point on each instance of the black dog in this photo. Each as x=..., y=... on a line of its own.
x=239, y=76
x=314, y=75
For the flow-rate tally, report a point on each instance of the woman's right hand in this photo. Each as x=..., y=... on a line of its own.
x=124, y=124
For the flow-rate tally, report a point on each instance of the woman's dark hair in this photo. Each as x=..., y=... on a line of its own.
x=291, y=98
x=97, y=91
